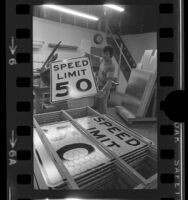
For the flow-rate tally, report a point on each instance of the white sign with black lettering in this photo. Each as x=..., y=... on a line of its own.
x=115, y=138
x=72, y=79
x=77, y=153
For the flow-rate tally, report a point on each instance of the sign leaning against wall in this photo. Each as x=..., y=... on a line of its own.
x=72, y=79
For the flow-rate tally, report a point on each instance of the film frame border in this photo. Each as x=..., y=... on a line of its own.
x=168, y=56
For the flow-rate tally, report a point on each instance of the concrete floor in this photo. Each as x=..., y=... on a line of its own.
x=146, y=129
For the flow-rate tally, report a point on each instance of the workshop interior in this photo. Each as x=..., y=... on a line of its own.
x=95, y=97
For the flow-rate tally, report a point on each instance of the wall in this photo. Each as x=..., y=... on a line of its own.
x=138, y=43
x=68, y=34
x=53, y=32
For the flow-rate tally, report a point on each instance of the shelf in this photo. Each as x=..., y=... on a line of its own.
x=64, y=47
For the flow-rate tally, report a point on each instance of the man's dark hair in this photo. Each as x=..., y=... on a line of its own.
x=108, y=49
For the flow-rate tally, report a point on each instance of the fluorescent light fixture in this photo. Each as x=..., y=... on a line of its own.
x=72, y=199
x=72, y=12
x=115, y=7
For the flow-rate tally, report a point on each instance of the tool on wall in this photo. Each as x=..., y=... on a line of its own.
x=45, y=69
x=50, y=58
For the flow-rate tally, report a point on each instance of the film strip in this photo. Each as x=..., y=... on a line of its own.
x=170, y=81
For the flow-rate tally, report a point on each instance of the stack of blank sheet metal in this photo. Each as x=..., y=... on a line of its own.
x=138, y=94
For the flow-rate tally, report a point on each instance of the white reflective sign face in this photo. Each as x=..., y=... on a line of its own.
x=72, y=79
x=117, y=139
x=77, y=153
x=49, y=171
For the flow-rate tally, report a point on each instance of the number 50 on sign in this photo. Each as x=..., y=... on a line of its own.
x=72, y=79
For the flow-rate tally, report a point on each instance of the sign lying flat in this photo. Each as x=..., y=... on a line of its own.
x=71, y=79
x=77, y=153
x=115, y=138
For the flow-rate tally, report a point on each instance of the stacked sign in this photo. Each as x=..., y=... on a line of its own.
x=77, y=153
x=116, y=139
x=85, y=162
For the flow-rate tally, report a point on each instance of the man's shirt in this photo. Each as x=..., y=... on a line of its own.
x=106, y=71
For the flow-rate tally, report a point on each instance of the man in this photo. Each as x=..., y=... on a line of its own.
x=104, y=78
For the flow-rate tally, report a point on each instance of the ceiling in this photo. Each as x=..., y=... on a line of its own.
x=135, y=19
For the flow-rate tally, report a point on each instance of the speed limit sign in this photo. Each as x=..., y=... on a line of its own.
x=72, y=79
